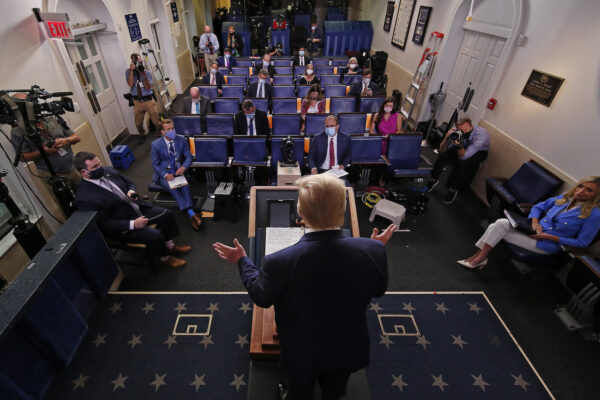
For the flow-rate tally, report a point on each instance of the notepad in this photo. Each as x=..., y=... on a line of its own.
x=177, y=182
x=279, y=238
x=337, y=172
x=519, y=222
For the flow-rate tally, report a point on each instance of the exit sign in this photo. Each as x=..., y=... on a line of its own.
x=56, y=24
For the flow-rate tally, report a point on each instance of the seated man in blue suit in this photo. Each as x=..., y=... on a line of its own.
x=320, y=287
x=329, y=149
x=171, y=157
x=227, y=60
x=122, y=215
x=214, y=78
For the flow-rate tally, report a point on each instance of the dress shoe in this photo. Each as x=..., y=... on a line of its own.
x=467, y=264
x=196, y=222
x=180, y=250
x=173, y=262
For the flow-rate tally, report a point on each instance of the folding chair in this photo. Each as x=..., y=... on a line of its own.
x=352, y=123
x=219, y=124
x=227, y=105
x=250, y=152
x=285, y=105
x=335, y=90
x=286, y=124
x=314, y=124
x=187, y=124
x=210, y=153
x=342, y=105
x=284, y=91
x=233, y=91
x=371, y=104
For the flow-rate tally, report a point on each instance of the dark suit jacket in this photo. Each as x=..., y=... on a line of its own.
x=159, y=153
x=219, y=79
x=239, y=43
x=253, y=90
x=320, y=287
x=114, y=213
x=356, y=89
x=232, y=62
x=261, y=122
x=318, y=150
x=271, y=69
x=186, y=106
x=307, y=60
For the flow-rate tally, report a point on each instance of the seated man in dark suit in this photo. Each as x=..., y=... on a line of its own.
x=301, y=59
x=320, y=287
x=214, y=78
x=122, y=215
x=195, y=103
x=329, y=149
x=267, y=65
x=261, y=89
x=171, y=157
x=227, y=60
x=251, y=121
x=364, y=88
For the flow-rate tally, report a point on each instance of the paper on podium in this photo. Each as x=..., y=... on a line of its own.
x=337, y=172
x=279, y=238
x=177, y=182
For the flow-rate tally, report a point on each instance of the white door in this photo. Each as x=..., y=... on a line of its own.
x=85, y=53
x=475, y=65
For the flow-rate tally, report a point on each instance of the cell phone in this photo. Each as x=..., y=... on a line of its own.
x=135, y=196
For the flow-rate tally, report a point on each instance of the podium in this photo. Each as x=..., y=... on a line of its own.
x=264, y=343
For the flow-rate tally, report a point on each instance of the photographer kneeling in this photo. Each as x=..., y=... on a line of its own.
x=464, y=147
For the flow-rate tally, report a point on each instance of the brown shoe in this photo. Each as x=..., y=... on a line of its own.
x=196, y=222
x=173, y=262
x=180, y=250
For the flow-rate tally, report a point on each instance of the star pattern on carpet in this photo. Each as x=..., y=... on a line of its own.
x=474, y=307
x=213, y=307
x=100, y=339
x=408, y=307
x=159, y=380
x=242, y=340
x=519, y=381
x=386, y=341
x=119, y=382
x=399, y=382
x=441, y=307
x=115, y=307
x=180, y=307
x=148, y=307
x=245, y=308
x=458, y=340
x=135, y=340
x=423, y=341
x=198, y=381
x=206, y=340
x=238, y=381
x=80, y=381
x=375, y=307
x=478, y=381
x=439, y=382
x=171, y=340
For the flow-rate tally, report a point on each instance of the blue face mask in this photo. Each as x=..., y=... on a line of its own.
x=301, y=52
x=251, y=115
x=170, y=135
x=227, y=55
x=260, y=80
x=330, y=131
x=97, y=173
x=266, y=63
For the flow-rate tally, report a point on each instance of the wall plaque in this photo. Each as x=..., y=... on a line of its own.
x=403, y=19
x=542, y=87
x=389, y=14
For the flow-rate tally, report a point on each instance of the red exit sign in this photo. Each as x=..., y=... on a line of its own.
x=56, y=24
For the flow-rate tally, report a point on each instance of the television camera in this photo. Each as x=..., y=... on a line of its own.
x=287, y=152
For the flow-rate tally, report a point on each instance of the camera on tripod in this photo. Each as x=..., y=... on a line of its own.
x=287, y=152
x=34, y=107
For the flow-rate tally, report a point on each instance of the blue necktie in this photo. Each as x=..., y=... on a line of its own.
x=171, y=155
x=198, y=108
x=251, y=127
x=260, y=90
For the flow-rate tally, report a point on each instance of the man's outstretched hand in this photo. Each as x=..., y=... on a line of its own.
x=231, y=254
x=385, y=236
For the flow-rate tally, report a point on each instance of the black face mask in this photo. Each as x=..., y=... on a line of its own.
x=97, y=173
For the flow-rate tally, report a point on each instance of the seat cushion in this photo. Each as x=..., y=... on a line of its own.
x=155, y=187
x=529, y=257
x=531, y=183
x=498, y=187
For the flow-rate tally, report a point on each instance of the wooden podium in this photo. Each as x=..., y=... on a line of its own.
x=264, y=343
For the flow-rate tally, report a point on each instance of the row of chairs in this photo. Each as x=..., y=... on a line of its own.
x=287, y=62
x=278, y=91
x=291, y=79
x=281, y=124
x=297, y=70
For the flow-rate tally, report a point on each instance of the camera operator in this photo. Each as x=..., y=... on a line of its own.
x=465, y=147
x=315, y=38
x=57, y=138
x=276, y=51
x=209, y=45
x=140, y=82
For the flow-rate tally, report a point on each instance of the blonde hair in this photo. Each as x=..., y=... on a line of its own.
x=164, y=122
x=322, y=201
x=589, y=205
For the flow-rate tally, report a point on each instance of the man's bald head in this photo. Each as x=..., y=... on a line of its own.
x=206, y=29
x=194, y=93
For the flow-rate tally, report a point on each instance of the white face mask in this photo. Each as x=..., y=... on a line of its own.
x=313, y=27
x=309, y=72
x=266, y=63
x=367, y=81
x=213, y=71
x=352, y=66
x=387, y=109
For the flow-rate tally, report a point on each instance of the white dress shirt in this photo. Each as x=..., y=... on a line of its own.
x=301, y=61
x=325, y=164
x=193, y=110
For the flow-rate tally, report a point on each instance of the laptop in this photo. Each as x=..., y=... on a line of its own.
x=519, y=222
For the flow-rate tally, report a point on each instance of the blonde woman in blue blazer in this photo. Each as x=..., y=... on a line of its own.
x=571, y=219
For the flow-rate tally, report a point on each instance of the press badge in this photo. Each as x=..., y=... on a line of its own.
x=62, y=152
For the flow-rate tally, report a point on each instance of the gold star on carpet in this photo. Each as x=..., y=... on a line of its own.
x=213, y=307
x=180, y=307
x=399, y=382
x=135, y=340
x=478, y=381
x=245, y=307
x=119, y=382
x=206, y=340
x=79, y=382
x=198, y=381
x=159, y=380
x=100, y=339
x=238, y=381
x=439, y=382
x=171, y=340
x=148, y=307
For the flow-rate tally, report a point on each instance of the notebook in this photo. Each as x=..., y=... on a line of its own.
x=519, y=222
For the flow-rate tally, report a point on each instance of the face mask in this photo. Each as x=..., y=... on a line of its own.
x=97, y=173
x=213, y=71
x=301, y=52
x=313, y=97
x=231, y=32
x=170, y=135
x=330, y=131
x=309, y=72
x=313, y=27
x=227, y=55
x=260, y=80
x=387, y=109
x=352, y=66
x=251, y=115
x=266, y=63
x=367, y=81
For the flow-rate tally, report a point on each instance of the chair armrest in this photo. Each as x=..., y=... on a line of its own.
x=525, y=208
x=387, y=160
x=229, y=161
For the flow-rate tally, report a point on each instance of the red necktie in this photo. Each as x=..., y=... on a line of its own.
x=331, y=154
x=212, y=79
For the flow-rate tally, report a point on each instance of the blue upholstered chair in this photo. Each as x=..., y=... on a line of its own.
x=236, y=91
x=326, y=70
x=283, y=79
x=284, y=70
x=320, y=62
x=366, y=150
x=252, y=79
x=219, y=124
x=262, y=104
x=240, y=70
x=285, y=105
x=286, y=124
x=210, y=151
x=282, y=62
x=227, y=105
x=315, y=123
x=330, y=79
x=241, y=62
x=284, y=91
x=208, y=91
x=340, y=62
x=299, y=70
x=335, y=90
x=250, y=151
x=353, y=123
x=238, y=80
x=187, y=124
x=342, y=105
x=350, y=79
x=224, y=70
x=303, y=90
x=371, y=104
x=404, y=156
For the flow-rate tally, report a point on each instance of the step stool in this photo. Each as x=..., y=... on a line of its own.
x=389, y=210
x=121, y=156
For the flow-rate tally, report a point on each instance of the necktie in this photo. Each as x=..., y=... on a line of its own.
x=119, y=193
x=251, y=127
x=171, y=155
x=331, y=154
x=260, y=90
x=364, y=92
x=301, y=61
x=198, y=108
x=212, y=79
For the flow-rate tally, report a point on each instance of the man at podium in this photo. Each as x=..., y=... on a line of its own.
x=320, y=287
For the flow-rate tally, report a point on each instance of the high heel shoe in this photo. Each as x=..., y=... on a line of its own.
x=467, y=264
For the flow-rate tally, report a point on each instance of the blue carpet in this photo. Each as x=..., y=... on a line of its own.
x=464, y=351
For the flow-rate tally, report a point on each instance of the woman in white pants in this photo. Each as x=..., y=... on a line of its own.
x=570, y=219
